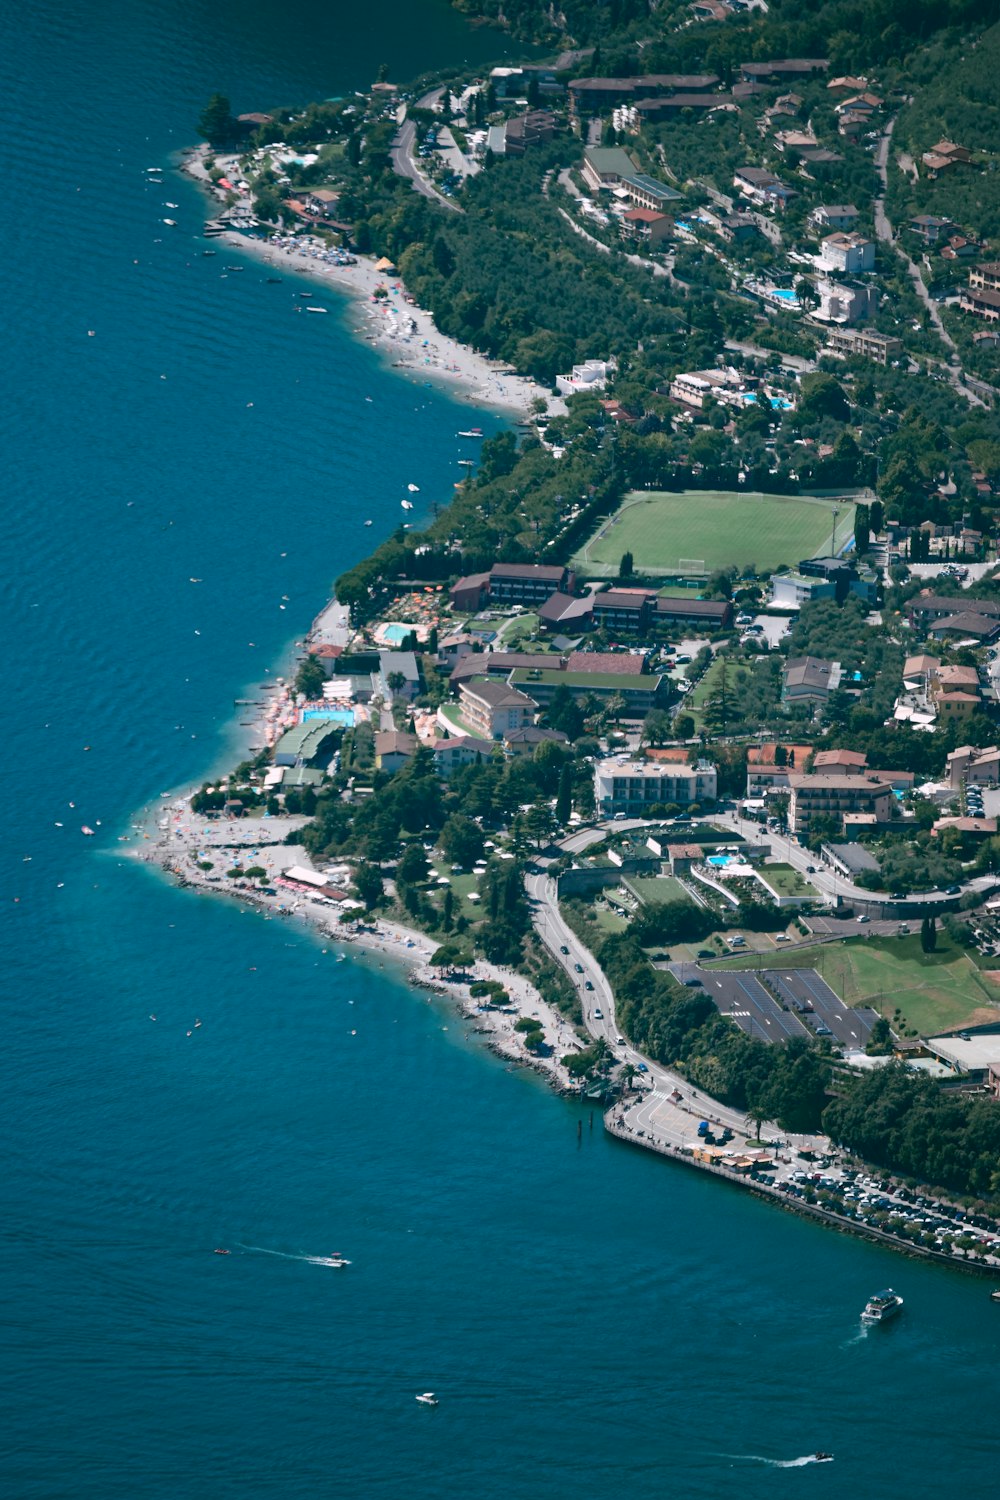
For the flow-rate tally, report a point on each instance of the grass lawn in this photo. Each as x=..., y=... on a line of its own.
x=653, y=890
x=934, y=991
x=520, y=629
x=716, y=528
x=462, y=886
x=608, y=921
x=705, y=687
x=786, y=881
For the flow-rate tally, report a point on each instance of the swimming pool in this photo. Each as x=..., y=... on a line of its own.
x=335, y=715
x=784, y=294
x=396, y=633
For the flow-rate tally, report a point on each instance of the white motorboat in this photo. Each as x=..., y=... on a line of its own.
x=414, y=489
x=406, y=504
x=882, y=1306
x=428, y=1398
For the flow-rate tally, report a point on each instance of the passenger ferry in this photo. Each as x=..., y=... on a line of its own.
x=882, y=1306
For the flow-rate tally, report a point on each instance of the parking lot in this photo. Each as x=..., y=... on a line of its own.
x=744, y=999
x=810, y=997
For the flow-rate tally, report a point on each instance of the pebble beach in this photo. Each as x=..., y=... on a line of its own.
x=405, y=333
x=179, y=842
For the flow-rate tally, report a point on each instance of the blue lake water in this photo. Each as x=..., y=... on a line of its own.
x=592, y=1319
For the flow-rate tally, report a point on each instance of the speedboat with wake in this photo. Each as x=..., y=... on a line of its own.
x=428, y=1398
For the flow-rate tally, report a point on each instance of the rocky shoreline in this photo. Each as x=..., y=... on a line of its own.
x=189, y=840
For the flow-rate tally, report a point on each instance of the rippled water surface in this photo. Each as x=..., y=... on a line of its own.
x=594, y=1321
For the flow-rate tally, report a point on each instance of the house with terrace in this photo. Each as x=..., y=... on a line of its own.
x=491, y=708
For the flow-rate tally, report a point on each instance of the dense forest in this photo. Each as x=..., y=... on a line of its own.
x=852, y=33
x=905, y=1122
x=957, y=100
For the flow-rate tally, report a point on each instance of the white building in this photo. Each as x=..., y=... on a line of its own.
x=631, y=786
x=834, y=216
x=591, y=376
x=694, y=387
x=844, y=302
x=847, y=253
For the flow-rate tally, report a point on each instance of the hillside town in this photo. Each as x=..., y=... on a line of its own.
x=695, y=678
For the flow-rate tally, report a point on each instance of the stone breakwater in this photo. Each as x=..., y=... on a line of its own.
x=624, y=1132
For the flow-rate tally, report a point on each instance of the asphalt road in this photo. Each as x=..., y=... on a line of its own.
x=556, y=935
x=404, y=162
x=884, y=231
x=827, y=881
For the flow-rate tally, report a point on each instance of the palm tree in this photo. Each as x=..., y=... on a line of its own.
x=616, y=706
x=395, y=682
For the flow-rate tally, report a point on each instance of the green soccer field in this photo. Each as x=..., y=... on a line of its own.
x=710, y=529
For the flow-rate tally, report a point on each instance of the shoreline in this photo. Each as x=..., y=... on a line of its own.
x=616, y=1124
x=406, y=334
x=396, y=325
x=175, y=850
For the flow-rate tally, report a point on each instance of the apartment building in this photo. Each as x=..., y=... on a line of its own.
x=491, y=708
x=829, y=794
x=865, y=343
x=631, y=786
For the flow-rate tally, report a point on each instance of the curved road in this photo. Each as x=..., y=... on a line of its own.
x=884, y=231
x=671, y=1104
x=404, y=162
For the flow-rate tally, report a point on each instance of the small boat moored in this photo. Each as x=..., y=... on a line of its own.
x=882, y=1306
x=995, y=1295
x=428, y=1398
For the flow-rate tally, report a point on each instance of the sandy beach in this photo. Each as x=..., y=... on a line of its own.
x=405, y=333
x=178, y=841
